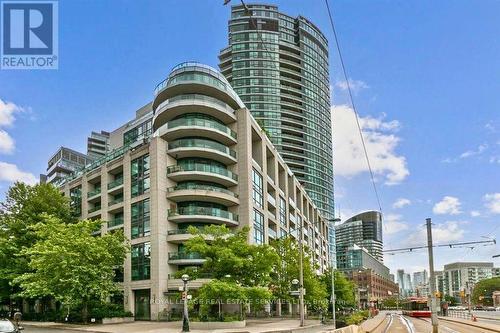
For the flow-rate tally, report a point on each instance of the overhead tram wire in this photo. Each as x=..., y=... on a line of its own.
x=353, y=105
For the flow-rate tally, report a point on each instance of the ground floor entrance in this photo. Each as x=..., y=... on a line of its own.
x=142, y=304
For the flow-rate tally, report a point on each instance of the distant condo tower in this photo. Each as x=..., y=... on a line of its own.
x=278, y=65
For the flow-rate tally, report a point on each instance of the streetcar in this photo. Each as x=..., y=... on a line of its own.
x=416, y=307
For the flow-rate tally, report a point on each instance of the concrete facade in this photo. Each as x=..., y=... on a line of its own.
x=194, y=156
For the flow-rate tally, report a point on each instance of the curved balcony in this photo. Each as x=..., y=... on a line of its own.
x=202, y=215
x=192, y=77
x=202, y=172
x=190, y=147
x=192, y=103
x=182, y=258
x=202, y=192
x=207, y=128
x=179, y=236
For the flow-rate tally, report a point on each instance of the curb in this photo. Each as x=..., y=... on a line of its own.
x=377, y=326
x=473, y=324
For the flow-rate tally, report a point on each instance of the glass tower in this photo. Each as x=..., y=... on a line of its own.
x=278, y=65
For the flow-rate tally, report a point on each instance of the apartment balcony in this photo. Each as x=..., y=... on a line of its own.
x=94, y=210
x=202, y=172
x=210, y=129
x=174, y=283
x=183, y=148
x=271, y=200
x=182, y=258
x=202, y=214
x=94, y=195
x=115, y=186
x=190, y=78
x=115, y=223
x=202, y=192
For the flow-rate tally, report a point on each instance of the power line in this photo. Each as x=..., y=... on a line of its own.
x=470, y=244
x=353, y=105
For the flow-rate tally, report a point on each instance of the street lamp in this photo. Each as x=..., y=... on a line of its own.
x=332, y=266
x=185, y=317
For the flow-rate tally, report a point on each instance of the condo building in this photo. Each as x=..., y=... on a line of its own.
x=278, y=65
x=459, y=276
x=194, y=156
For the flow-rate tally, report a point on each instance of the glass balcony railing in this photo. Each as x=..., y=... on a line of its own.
x=201, y=187
x=201, y=123
x=202, y=167
x=201, y=143
x=115, y=201
x=205, y=211
x=115, y=183
x=93, y=193
x=115, y=222
x=183, y=255
x=94, y=209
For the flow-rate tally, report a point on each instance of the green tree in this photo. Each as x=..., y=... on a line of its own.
x=286, y=269
x=71, y=265
x=344, y=290
x=24, y=207
x=212, y=295
x=483, y=291
x=452, y=301
x=228, y=253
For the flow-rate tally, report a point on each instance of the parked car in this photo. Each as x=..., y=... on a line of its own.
x=489, y=308
x=6, y=326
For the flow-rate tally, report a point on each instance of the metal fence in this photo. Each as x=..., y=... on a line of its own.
x=462, y=314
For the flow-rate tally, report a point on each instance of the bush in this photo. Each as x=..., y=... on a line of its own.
x=108, y=310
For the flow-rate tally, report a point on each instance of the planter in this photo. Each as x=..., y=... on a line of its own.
x=117, y=320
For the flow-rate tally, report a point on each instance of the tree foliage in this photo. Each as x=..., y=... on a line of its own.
x=344, y=290
x=71, y=265
x=229, y=253
x=483, y=291
x=24, y=207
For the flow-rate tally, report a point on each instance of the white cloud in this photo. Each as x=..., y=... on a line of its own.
x=11, y=173
x=469, y=153
x=475, y=213
x=7, y=112
x=6, y=142
x=381, y=143
x=448, y=205
x=393, y=224
x=401, y=202
x=492, y=202
x=356, y=85
x=441, y=233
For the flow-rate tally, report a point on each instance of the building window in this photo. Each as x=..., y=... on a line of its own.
x=138, y=132
x=140, y=175
x=75, y=197
x=282, y=212
x=141, y=261
x=140, y=225
x=258, y=227
x=258, y=191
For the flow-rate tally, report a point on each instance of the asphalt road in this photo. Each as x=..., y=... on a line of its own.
x=29, y=329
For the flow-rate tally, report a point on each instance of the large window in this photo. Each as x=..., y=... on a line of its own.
x=258, y=192
x=258, y=227
x=75, y=196
x=141, y=261
x=140, y=223
x=143, y=130
x=140, y=175
x=282, y=212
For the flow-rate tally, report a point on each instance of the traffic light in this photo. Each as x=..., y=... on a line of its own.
x=462, y=293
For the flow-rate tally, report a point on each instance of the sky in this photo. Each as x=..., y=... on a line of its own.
x=425, y=77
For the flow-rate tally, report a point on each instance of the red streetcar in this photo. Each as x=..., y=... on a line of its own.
x=416, y=307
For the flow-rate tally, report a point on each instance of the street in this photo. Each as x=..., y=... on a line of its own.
x=30, y=329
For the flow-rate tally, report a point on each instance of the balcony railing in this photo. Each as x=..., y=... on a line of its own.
x=115, y=222
x=93, y=193
x=201, y=167
x=94, y=209
x=201, y=143
x=205, y=211
x=183, y=255
x=201, y=187
x=115, y=201
x=201, y=123
x=115, y=183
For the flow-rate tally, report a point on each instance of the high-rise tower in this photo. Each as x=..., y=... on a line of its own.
x=278, y=65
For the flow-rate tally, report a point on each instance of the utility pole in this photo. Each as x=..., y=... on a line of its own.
x=301, y=274
x=432, y=282
x=333, y=253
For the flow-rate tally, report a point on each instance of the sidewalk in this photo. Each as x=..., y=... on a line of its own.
x=491, y=327
x=253, y=326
